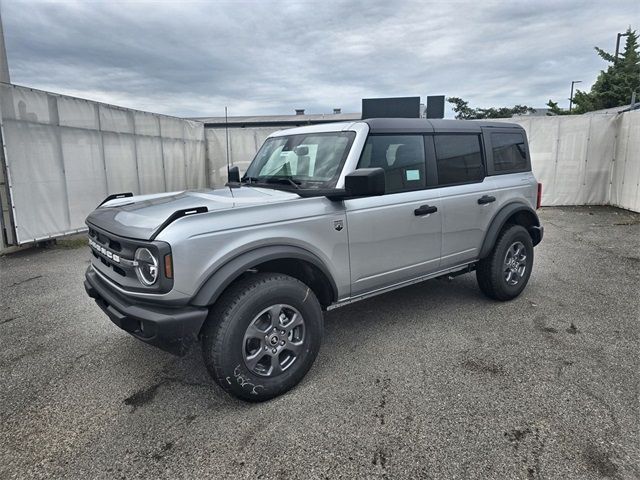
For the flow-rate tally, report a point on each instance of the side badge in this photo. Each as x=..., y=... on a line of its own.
x=338, y=225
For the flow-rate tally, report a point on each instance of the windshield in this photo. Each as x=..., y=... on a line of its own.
x=312, y=160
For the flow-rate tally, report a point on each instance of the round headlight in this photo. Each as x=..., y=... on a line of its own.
x=147, y=267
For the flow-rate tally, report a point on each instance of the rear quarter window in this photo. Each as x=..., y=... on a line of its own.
x=509, y=152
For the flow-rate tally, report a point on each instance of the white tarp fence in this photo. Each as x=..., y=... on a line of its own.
x=572, y=157
x=64, y=155
x=580, y=159
x=625, y=175
x=243, y=145
x=586, y=159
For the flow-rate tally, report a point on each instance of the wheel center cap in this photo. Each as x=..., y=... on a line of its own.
x=273, y=340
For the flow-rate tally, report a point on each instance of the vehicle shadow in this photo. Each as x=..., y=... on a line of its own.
x=347, y=329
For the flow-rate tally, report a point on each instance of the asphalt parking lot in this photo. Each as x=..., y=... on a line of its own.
x=432, y=381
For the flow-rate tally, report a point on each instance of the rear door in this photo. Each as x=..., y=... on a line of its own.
x=468, y=196
x=397, y=236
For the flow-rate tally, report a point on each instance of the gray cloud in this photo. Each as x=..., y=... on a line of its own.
x=258, y=57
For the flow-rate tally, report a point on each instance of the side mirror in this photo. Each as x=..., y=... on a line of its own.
x=234, y=175
x=364, y=182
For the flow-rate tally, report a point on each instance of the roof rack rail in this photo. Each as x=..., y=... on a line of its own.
x=175, y=216
x=115, y=196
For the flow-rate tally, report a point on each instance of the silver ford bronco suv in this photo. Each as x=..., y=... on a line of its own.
x=325, y=215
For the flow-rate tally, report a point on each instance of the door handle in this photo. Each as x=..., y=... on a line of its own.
x=424, y=210
x=486, y=199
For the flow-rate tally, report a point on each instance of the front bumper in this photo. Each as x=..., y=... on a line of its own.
x=173, y=329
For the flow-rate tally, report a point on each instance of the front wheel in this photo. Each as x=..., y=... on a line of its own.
x=262, y=336
x=506, y=271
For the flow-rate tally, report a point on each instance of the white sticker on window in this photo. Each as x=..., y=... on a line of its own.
x=412, y=175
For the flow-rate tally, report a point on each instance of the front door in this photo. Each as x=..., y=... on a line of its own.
x=397, y=236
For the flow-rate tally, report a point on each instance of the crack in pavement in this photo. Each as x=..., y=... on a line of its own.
x=146, y=395
x=10, y=319
x=25, y=281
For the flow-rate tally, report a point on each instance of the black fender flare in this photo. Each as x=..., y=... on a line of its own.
x=213, y=287
x=500, y=219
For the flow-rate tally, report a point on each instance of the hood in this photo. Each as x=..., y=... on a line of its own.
x=143, y=216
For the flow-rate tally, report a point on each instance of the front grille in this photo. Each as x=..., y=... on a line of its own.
x=108, y=264
x=103, y=239
x=113, y=257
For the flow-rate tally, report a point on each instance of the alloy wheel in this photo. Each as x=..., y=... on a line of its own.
x=515, y=263
x=274, y=340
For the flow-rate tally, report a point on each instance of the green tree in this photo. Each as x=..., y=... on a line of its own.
x=464, y=112
x=554, y=109
x=614, y=86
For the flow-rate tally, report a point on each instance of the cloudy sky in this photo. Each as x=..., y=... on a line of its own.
x=191, y=58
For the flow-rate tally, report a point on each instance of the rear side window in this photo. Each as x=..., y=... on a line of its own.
x=401, y=156
x=459, y=159
x=509, y=152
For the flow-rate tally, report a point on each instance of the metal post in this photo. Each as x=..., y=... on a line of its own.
x=571, y=96
x=4, y=64
x=6, y=236
x=226, y=139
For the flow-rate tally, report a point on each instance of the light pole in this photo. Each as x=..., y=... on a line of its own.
x=571, y=96
x=618, y=43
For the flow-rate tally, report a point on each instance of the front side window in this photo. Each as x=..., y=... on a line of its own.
x=459, y=159
x=509, y=152
x=402, y=158
x=312, y=160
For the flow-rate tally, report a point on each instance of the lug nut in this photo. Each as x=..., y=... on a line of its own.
x=283, y=332
x=274, y=350
x=266, y=348
x=282, y=342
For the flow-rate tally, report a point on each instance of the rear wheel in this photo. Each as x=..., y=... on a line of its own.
x=506, y=271
x=262, y=336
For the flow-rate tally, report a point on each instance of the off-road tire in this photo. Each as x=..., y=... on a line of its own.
x=490, y=270
x=224, y=331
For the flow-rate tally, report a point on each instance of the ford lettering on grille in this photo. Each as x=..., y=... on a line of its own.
x=103, y=251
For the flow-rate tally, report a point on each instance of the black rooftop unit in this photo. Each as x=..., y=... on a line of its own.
x=396, y=107
x=435, y=106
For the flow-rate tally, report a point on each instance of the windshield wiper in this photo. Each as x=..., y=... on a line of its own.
x=271, y=180
x=283, y=180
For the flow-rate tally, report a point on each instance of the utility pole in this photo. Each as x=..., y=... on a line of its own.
x=571, y=96
x=618, y=43
x=620, y=35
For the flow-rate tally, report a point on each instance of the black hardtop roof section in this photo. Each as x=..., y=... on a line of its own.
x=422, y=125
